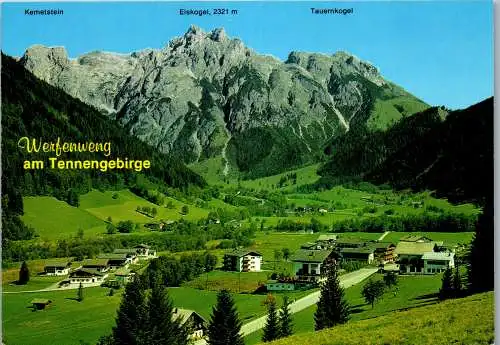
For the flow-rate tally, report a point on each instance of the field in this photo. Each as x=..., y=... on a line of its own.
x=449, y=238
x=468, y=320
x=413, y=291
x=245, y=282
x=67, y=321
x=55, y=219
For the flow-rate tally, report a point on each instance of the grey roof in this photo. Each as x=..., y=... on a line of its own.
x=305, y=255
x=414, y=248
x=185, y=314
x=359, y=250
x=63, y=264
x=242, y=252
x=113, y=256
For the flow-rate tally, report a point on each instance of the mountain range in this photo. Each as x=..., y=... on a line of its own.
x=206, y=95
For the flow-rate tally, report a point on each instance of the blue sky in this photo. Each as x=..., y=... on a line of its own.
x=442, y=52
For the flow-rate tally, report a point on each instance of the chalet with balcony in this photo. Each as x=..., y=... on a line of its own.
x=58, y=268
x=242, y=260
x=308, y=264
x=196, y=324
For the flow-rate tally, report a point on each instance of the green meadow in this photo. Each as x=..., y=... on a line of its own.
x=467, y=321
x=412, y=291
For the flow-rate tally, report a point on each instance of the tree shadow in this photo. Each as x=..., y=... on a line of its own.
x=72, y=299
x=429, y=296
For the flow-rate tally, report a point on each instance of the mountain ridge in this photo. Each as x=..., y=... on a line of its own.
x=205, y=94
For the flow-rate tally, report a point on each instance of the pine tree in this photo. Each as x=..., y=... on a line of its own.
x=131, y=320
x=285, y=319
x=457, y=282
x=271, y=329
x=446, y=290
x=333, y=308
x=79, y=294
x=480, y=272
x=24, y=274
x=161, y=329
x=225, y=325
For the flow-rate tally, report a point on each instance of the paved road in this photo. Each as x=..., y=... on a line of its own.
x=383, y=236
x=346, y=280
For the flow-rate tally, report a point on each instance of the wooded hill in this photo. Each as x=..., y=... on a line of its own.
x=450, y=153
x=33, y=108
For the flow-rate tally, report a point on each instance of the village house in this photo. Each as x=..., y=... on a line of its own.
x=141, y=251
x=241, y=260
x=100, y=265
x=196, y=324
x=307, y=264
x=277, y=285
x=364, y=254
x=436, y=262
x=311, y=245
x=117, y=260
x=415, y=238
x=410, y=255
x=349, y=243
x=40, y=303
x=60, y=268
x=384, y=252
x=87, y=277
x=123, y=276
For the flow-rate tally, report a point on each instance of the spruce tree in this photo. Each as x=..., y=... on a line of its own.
x=161, y=329
x=131, y=319
x=446, y=290
x=79, y=294
x=332, y=308
x=24, y=274
x=271, y=329
x=285, y=319
x=457, y=282
x=225, y=325
x=480, y=272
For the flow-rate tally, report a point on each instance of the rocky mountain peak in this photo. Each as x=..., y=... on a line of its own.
x=206, y=94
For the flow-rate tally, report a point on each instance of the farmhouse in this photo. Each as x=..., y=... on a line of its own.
x=87, y=277
x=60, y=268
x=194, y=322
x=242, y=260
x=40, y=303
x=417, y=239
x=276, y=285
x=410, y=255
x=436, y=262
x=141, y=251
x=363, y=254
x=384, y=251
x=100, y=265
x=307, y=264
x=123, y=275
x=116, y=260
x=348, y=243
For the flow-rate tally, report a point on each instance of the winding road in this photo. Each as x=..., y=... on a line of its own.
x=346, y=280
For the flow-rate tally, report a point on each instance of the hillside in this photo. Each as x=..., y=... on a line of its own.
x=440, y=324
x=34, y=109
x=206, y=95
x=420, y=152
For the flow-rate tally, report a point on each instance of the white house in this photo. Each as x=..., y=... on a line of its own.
x=435, y=262
x=242, y=261
x=307, y=264
x=87, y=277
x=57, y=268
x=196, y=324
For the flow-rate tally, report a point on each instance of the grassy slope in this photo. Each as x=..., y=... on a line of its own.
x=67, y=321
x=55, y=219
x=385, y=114
x=413, y=291
x=463, y=321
